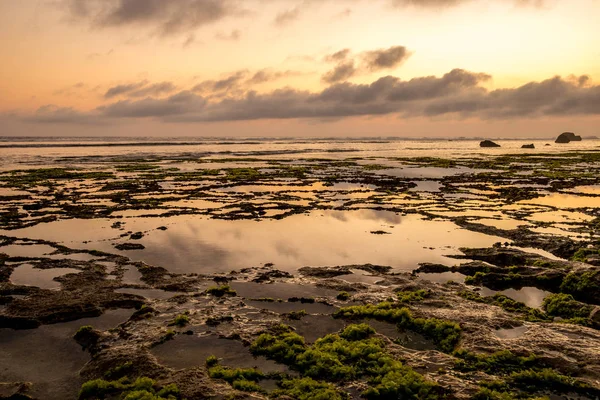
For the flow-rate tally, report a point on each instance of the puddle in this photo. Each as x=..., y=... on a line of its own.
x=49, y=357
x=561, y=200
x=505, y=223
x=532, y=297
x=27, y=275
x=186, y=351
x=560, y=216
x=426, y=172
x=443, y=277
x=278, y=290
x=195, y=244
x=27, y=250
x=8, y=192
x=132, y=276
x=286, y=306
x=313, y=327
x=73, y=256
x=426, y=186
x=358, y=276
x=149, y=293
x=408, y=339
x=196, y=203
x=592, y=189
x=511, y=333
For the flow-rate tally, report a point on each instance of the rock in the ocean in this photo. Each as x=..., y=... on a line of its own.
x=488, y=143
x=567, y=137
x=528, y=146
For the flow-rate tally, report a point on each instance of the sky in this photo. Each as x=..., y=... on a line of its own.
x=301, y=68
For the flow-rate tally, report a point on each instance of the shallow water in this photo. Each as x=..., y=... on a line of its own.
x=29, y=250
x=532, y=297
x=320, y=238
x=27, y=275
x=186, y=351
x=565, y=201
x=511, y=333
x=49, y=357
x=149, y=293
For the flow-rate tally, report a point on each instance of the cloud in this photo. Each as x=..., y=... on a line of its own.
x=286, y=17
x=370, y=61
x=123, y=89
x=230, y=83
x=385, y=58
x=53, y=114
x=165, y=17
x=341, y=72
x=338, y=56
x=268, y=75
x=179, y=104
x=237, y=83
x=456, y=94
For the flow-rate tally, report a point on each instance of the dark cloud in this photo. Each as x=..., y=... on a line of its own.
x=268, y=75
x=229, y=83
x=341, y=72
x=140, y=89
x=123, y=89
x=237, y=83
x=167, y=17
x=338, y=56
x=385, y=58
x=156, y=89
x=457, y=94
x=179, y=104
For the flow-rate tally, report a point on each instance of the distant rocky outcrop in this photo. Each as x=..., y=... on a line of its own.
x=528, y=146
x=567, y=137
x=488, y=143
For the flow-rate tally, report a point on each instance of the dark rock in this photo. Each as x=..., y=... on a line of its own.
x=528, y=146
x=567, y=137
x=488, y=143
x=595, y=317
x=15, y=390
x=269, y=275
x=130, y=246
x=136, y=236
x=87, y=337
x=324, y=272
x=430, y=268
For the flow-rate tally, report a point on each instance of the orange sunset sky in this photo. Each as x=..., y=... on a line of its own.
x=305, y=68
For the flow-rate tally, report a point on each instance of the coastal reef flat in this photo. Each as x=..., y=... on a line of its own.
x=336, y=270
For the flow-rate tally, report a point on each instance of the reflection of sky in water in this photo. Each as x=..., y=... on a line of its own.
x=49, y=357
x=43, y=278
x=533, y=297
x=197, y=244
x=32, y=250
x=511, y=333
x=561, y=200
x=322, y=238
